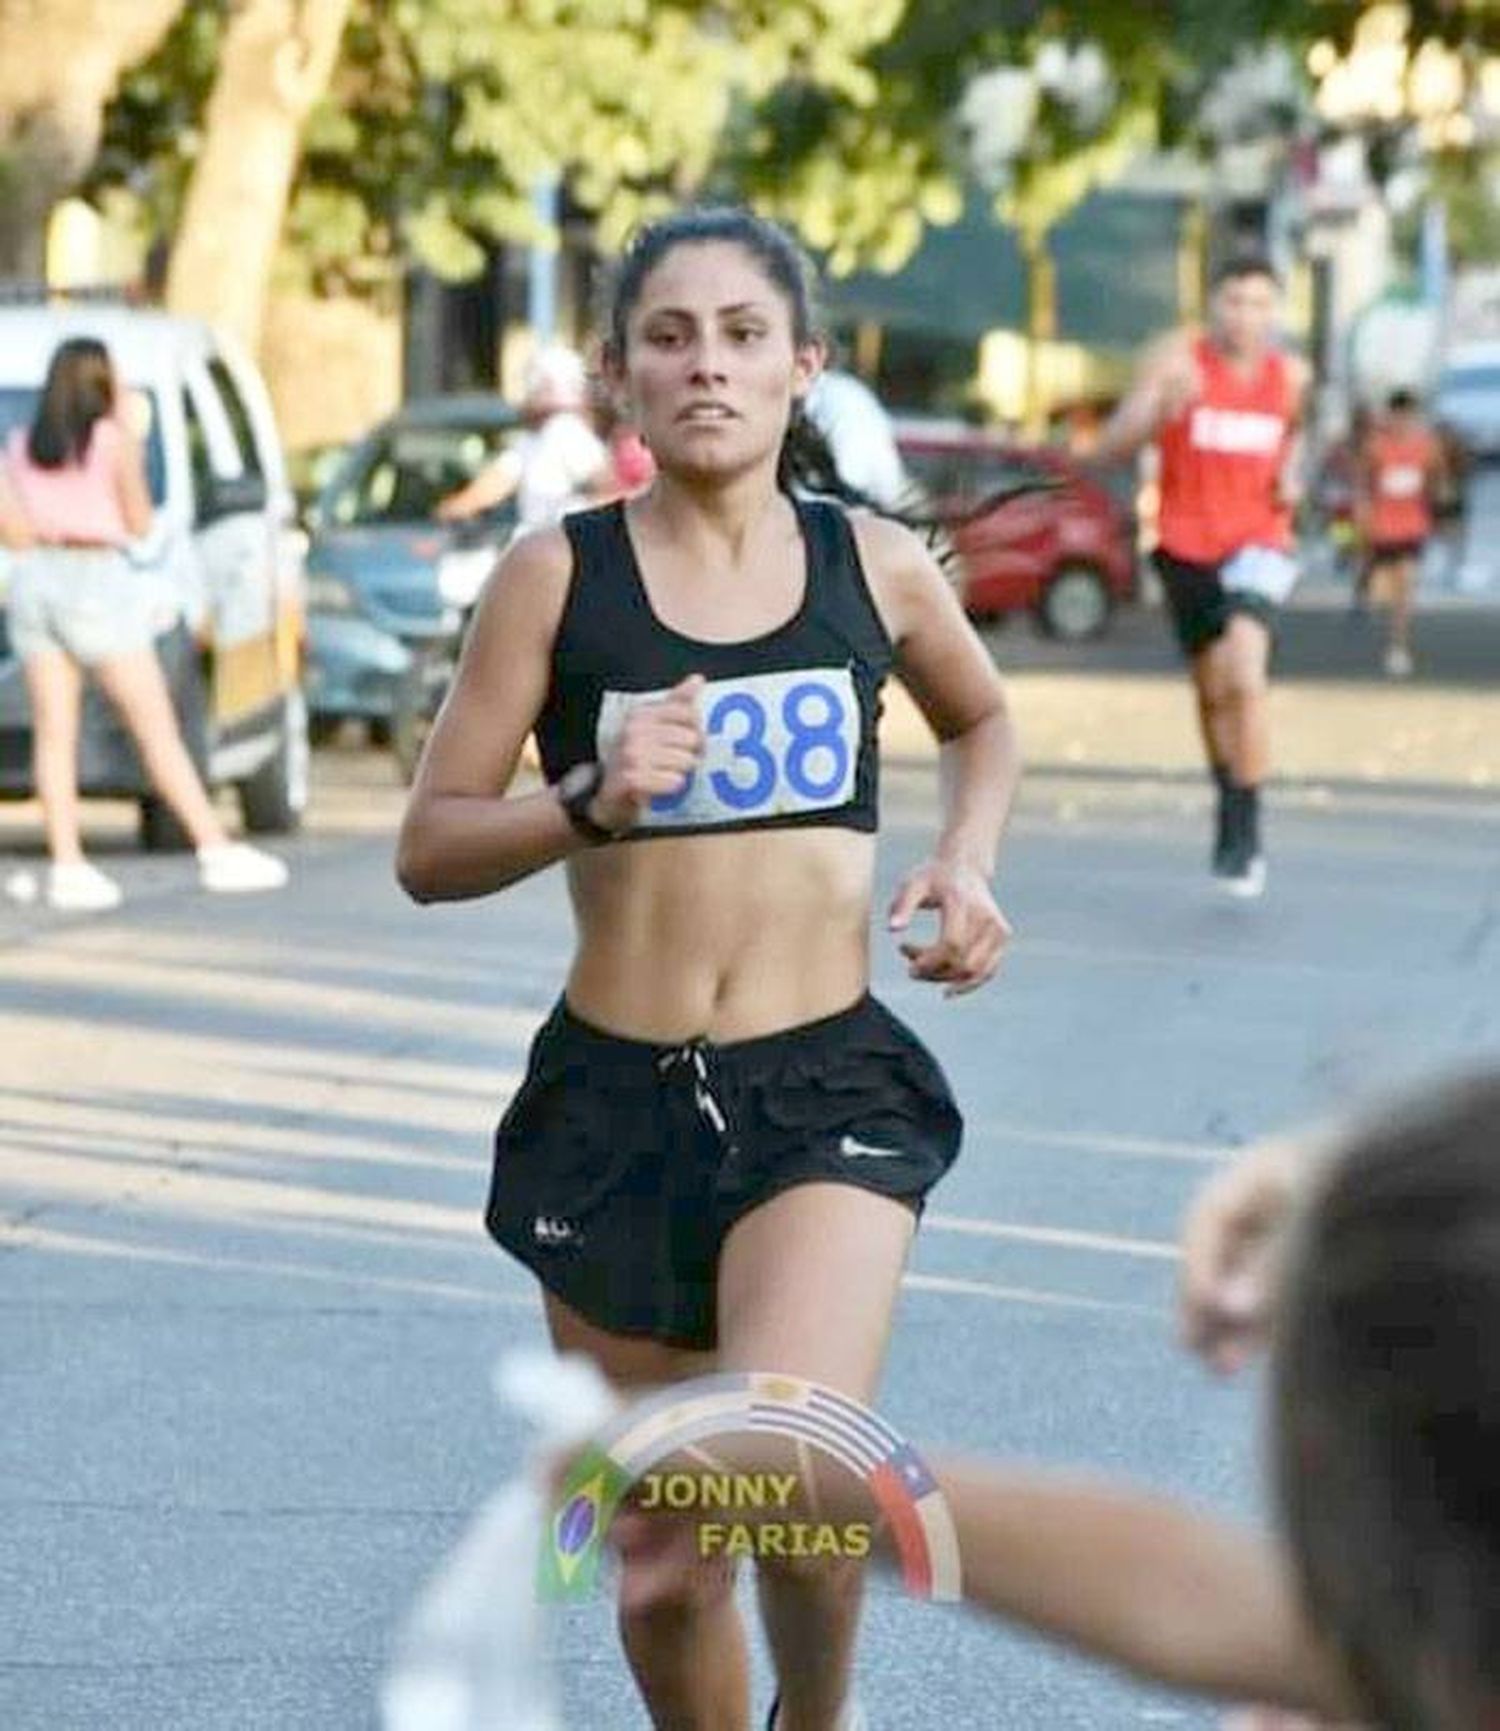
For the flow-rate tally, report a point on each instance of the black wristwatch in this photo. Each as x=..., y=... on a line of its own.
x=575, y=793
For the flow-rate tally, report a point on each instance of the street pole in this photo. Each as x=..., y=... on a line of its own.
x=1041, y=328
x=541, y=274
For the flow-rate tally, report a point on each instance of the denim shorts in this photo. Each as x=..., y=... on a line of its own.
x=89, y=602
x=621, y=1166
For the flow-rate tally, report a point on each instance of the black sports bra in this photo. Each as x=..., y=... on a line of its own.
x=791, y=716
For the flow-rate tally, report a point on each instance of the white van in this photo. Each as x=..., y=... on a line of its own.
x=224, y=561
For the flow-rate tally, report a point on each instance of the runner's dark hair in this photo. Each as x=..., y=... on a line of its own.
x=1242, y=264
x=807, y=461
x=78, y=393
x=1387, y=1408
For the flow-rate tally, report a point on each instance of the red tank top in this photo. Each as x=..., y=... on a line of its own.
x=1221, y=461
x=1401, y=467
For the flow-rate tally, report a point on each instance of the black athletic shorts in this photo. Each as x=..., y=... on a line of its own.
x=621, y=1165
x=1387, y=552
x=1201, y=605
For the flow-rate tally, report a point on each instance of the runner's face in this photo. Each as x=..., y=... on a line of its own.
x=712, y=364
x=1245, y=310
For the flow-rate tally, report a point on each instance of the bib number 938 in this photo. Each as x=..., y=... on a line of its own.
x=776, y=743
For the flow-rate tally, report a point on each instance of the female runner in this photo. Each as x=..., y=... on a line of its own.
x=723, y=1142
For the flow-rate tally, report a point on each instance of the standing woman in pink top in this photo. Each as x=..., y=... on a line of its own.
x=73, y=495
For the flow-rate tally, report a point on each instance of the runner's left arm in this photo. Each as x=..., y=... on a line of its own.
x=942, y=662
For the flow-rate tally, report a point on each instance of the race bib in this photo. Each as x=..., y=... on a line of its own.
x=776, y=743
x=1263, y=571
x=1402, y=481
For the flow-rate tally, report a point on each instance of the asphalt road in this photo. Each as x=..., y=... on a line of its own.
x=247, y=1313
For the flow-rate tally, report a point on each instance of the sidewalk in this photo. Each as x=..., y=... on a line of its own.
x=1125, y=704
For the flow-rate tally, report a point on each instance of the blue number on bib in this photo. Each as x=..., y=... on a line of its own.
x=813, y=717
x=748, y=746
x=824, y=735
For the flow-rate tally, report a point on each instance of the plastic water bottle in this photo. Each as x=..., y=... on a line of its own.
x=472, y=1653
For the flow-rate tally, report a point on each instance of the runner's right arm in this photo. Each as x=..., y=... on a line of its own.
x=1165, y=383
x=463, y=834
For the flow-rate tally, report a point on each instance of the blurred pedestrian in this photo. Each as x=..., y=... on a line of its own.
x=73, y=495
x=1224, y=407
x=558, y=464
x=630, y=456
x=861, y=439
x=1368, y=1257
x=1402, y=474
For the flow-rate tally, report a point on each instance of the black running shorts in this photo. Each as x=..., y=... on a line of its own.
x=1201, y=605
x=1387, y=552
x=621, y=1165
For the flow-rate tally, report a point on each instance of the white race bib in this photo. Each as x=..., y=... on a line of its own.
x=1402, y=481
x=1263, y=571
x=776, y=743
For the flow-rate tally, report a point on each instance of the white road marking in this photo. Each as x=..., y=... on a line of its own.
x=1100, y=1142
x=950, y=1286
x=1067, y=1238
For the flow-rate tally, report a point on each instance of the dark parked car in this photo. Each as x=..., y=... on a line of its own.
x=1065, y=553
x=373, y=591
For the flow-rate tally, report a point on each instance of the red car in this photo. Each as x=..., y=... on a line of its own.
x=1067, y=554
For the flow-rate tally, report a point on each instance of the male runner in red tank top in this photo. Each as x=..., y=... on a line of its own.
x=1401, y=469
x=1223, y=407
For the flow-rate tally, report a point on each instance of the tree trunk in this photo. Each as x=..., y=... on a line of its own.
x=60, y=61
x=277, y=59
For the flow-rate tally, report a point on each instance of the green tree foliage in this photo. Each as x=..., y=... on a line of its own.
x=445, y=113
x=835, y=114
x=60, y=61
x=861, y=180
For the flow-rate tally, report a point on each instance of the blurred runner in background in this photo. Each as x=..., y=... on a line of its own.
x=1223, y=406
x=1402, y=472
x=860, y=438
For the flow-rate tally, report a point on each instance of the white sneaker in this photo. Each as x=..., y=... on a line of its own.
x=79, y=887
x=1248, y=881
x=234, y=868
x=1398, y=662
x=23, y=886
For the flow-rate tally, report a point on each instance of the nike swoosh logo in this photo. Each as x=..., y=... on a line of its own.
x=863, y=1150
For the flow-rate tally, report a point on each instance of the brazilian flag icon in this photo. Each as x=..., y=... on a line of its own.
x=573, y=1544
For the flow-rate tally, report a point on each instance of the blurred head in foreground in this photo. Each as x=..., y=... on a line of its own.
x=1387, y=1409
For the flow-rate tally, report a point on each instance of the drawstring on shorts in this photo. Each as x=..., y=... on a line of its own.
x=691, y=1055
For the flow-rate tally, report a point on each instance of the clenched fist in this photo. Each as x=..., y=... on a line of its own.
x=660, y=745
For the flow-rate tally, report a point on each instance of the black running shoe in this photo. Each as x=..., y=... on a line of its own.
x=1239, y=864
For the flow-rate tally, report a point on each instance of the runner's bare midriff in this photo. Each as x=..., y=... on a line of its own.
x=729, y=936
